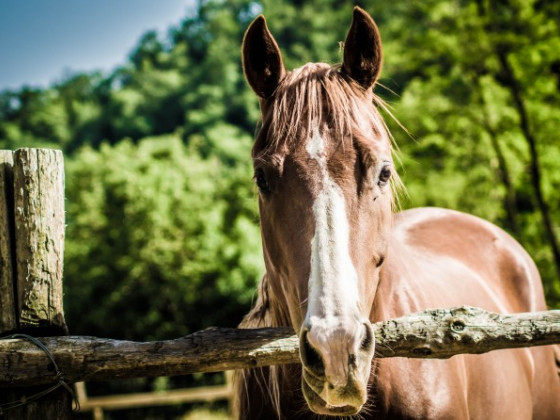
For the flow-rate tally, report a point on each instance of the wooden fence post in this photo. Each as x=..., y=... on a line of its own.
x=8, y=321
x=31, y=257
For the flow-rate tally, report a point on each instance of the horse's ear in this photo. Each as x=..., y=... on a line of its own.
x=362, y=50
x=262, y=60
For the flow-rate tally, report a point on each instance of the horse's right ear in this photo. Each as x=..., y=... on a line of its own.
x=262, y=60
x=362, y=50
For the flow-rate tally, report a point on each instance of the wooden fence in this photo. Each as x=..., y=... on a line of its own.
x=31, y=254
x=31, y=257
x=97, y=405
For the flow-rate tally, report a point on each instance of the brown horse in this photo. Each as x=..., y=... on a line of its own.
x=337, y=258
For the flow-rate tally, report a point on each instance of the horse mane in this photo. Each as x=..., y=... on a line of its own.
x=265, y=313
x=317, y=93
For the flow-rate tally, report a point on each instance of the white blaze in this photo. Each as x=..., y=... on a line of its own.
x=333, y=282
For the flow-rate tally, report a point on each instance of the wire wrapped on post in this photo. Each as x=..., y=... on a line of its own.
x=61, y=382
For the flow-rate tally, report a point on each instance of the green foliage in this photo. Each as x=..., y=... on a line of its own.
x=153, y=249
x=479, y=85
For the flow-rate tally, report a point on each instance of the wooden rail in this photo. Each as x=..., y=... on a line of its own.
x=177, y=396
x=438, y=333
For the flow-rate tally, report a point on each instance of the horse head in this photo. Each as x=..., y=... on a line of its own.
x=322, y=164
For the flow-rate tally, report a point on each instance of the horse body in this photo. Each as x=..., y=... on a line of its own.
x=443, y=258
x=436, y=258
x=337, y=259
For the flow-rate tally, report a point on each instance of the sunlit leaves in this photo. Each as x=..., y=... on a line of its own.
x=150, y=229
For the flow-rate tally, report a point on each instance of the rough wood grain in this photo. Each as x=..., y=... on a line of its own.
x=8, y=320
x=39, y=221
x=53, y=406
x=442, y=333
x=439, y=333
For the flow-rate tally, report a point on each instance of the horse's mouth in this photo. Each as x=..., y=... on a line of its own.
x=319, y=406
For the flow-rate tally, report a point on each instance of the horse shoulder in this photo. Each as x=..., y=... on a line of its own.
x=443, y=258
x=437, y=253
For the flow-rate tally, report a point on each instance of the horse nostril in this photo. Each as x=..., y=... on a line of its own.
x=369, y=340
x=309, y=356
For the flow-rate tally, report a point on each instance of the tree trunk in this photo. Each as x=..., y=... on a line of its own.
x=508, y=78
x=503, y=167
x=535, y=168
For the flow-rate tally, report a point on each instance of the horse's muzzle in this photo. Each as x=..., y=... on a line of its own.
x=320, y=406
x=336, y=369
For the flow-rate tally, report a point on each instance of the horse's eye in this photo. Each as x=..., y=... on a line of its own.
x=260, y=180
x=384, y=175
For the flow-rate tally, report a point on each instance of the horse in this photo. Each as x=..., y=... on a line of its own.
x=339, y=257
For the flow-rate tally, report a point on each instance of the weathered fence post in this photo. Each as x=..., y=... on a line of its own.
x=7, y=254
x=31, y=257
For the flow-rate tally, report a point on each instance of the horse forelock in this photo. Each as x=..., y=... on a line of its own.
x=316, y=95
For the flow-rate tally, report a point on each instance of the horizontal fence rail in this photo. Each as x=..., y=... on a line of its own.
x=145, y=399
x=438, y=333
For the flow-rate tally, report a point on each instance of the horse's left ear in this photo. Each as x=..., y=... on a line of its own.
x=362, y=50
x=262, y=60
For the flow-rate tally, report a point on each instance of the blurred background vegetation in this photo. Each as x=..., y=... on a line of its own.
x=162, y=235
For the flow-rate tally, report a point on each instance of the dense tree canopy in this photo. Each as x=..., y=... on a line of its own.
x=162, y=234
x=152, y=242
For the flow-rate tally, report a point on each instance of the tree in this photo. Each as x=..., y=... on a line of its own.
x=478, y=90
x=154, y=248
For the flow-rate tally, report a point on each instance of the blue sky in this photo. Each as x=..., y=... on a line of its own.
x=41, y=40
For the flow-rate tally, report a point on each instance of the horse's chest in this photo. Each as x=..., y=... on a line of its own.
x=464, y=387
x=418, y=389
